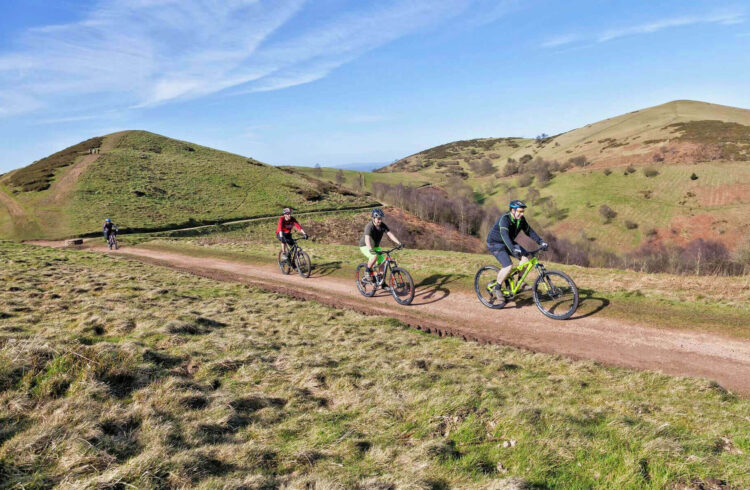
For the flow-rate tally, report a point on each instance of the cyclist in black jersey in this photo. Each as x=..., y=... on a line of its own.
x=501, y=239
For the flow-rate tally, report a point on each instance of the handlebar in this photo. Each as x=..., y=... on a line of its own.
x=384, y=252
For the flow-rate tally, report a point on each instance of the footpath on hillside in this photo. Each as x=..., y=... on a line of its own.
x=437, y=309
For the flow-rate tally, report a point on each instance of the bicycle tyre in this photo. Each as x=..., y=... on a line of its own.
x=367, y=289
x=558, y=294
x=284, y=265
x=402, y=286
x=303, y=264
x=482, y=278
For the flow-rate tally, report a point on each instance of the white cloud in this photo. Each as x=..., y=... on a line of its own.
x=560, y=40
x=142, y=53
x=723, y=18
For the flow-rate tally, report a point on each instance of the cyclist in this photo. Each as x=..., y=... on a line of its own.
x=109, y=228
x=501, y=240
x=369, y=242
x=284, y=230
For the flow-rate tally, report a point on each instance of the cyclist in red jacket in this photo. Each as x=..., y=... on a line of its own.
x=284, y=230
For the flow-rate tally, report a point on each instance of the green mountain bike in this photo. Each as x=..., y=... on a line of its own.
x=555, y=293
x=389, y=277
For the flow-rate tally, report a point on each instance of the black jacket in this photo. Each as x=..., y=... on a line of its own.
x=505, y=231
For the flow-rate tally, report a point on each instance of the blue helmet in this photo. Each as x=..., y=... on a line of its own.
x=517, y=204
x=377, y=213
x=108, y=220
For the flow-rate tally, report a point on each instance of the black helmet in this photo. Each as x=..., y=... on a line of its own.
x=517, y=204
x=377, y=213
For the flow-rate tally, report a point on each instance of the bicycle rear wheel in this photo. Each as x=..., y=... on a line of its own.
x=484, y=280
x=303, y=263
x=284, y=265
x=402, y=286
x=556, y=295
x=365, y=282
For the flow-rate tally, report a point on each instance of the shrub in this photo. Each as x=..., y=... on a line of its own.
x=607, y=171
x=580, y=161
x=630, y=225
x=650, y=172
x=525, y=180
x=630, y=169
x=340, y=177
x=693, y=177
x=525, y=159
x=607, y=213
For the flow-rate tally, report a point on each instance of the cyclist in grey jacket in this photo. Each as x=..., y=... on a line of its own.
x=501, y=239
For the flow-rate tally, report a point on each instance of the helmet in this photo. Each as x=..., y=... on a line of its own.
x=377, y=213
x=287, y=211
x=108, y=220
x=517, y=204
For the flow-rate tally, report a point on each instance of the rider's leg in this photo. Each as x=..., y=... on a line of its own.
x=503, y=274
x=501, y=254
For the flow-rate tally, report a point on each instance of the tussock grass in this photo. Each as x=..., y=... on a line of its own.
x=270, y=392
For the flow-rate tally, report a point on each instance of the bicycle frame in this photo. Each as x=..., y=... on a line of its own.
x=387, y=265
x=523, y=271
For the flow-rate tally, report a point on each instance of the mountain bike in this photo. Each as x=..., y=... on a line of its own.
x=389, y=276
x=555, y=293
x=296, y=259
x=112, y=241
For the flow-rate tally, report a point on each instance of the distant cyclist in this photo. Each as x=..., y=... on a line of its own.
x=284, y=230
x=369, y=242
x=109, y=229
x=501, y=239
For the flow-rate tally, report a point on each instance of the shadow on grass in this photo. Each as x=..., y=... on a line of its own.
x=321, y=270
x=588, y=304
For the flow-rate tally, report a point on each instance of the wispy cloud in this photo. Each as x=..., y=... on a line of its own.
x=723, y=18
x=560, y=40
x=143, y=53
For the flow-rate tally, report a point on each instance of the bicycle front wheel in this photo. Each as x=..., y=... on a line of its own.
x=303, y=263
x=556, y=295
x=402, y=286
x=484, y=282
x=284, y=265
x=365, y=282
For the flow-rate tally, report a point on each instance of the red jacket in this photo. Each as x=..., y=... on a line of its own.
x=286, y=226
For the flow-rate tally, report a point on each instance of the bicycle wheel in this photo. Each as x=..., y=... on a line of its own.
x=556, y=295
x=303, y=263
x=284, y=265
x=484, y=280
x=402, y=286
x=365, y=282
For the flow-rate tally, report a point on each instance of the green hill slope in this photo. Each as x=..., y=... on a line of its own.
x=146, y=181
x=681, y=131
x=673, y=173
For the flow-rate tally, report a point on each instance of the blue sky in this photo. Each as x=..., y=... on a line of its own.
x=335, y=82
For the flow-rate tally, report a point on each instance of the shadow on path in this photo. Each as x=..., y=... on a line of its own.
x=321, y=270
x=432, y=288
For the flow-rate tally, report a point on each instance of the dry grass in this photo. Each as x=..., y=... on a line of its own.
x=115, y=373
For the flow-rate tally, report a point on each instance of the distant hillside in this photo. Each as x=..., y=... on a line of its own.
x=681, y=131
x=670, y=175
x=145, y=181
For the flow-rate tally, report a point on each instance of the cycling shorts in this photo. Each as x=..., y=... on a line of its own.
x=502, y=255
x=366, y=252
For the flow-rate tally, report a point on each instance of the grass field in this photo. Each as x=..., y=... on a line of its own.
x=702, y=303
x=353, y=178
x=115, y=373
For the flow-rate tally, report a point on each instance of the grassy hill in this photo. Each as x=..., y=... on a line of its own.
x=673, y=174
x=146, y=181
x=681, y=131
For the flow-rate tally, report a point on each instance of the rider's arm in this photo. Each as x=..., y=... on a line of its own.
x=278, y=227
x=504, y=234
x=531, y=233
x=393, y=238
x=368, y=242
x=298, y=227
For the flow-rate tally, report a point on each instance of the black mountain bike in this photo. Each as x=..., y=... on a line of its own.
x=297, y=259
x=112, y=241
x=389, y=276
x=555, y=293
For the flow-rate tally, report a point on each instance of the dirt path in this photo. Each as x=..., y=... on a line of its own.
x=436, y=309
